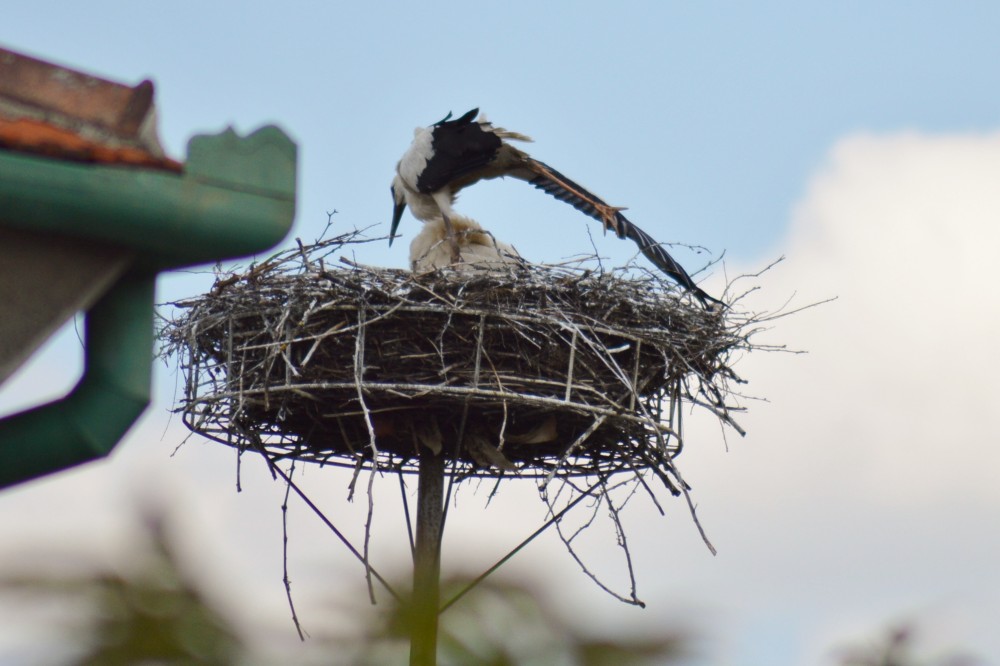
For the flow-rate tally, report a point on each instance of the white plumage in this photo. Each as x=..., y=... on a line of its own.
x=430, y=173
x=477, y=247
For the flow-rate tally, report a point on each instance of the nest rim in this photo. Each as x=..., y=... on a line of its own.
x=310, y=315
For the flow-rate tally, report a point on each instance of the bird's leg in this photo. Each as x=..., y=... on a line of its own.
x=443, y=198
x=449, y=234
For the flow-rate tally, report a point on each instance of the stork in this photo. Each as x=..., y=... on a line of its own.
x=431, y=248
x=453, y=154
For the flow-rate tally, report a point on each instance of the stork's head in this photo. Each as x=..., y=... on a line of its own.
x=399, y=204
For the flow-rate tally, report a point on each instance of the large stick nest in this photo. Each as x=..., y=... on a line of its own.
x=538, y=369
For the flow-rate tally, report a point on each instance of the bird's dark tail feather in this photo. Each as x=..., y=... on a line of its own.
x=559, y=186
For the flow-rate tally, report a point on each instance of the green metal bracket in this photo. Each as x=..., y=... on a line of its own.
x=235, y=197
x=111, y=395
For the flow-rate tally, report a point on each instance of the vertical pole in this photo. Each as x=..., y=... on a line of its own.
x=427, y=560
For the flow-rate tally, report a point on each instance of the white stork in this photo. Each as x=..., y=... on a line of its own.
x=452, y=154
x=479, y=250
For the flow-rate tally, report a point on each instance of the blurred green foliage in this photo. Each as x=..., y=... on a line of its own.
x=153, y=616
x=899, y=647
x=156, y=615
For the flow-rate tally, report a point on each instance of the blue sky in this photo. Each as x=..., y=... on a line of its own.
x=700, y=118
x=821, y=131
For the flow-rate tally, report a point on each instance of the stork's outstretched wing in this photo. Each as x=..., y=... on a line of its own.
x=458, y=147
x=552, y=182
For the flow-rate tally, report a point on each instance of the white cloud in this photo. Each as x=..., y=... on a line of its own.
x=869, y=479
x=900, y=381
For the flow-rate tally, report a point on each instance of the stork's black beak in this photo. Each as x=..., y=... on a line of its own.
x=397, y=214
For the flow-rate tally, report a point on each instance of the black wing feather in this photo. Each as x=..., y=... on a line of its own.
x=460, y=147
x=661, y=259
x=564, y=189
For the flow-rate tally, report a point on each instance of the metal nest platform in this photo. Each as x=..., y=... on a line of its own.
x=535, y=370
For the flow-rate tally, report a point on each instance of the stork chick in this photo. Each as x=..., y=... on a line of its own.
x=453, y=154
x=432, y=249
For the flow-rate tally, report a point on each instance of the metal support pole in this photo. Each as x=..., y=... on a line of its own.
x=427, y=560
